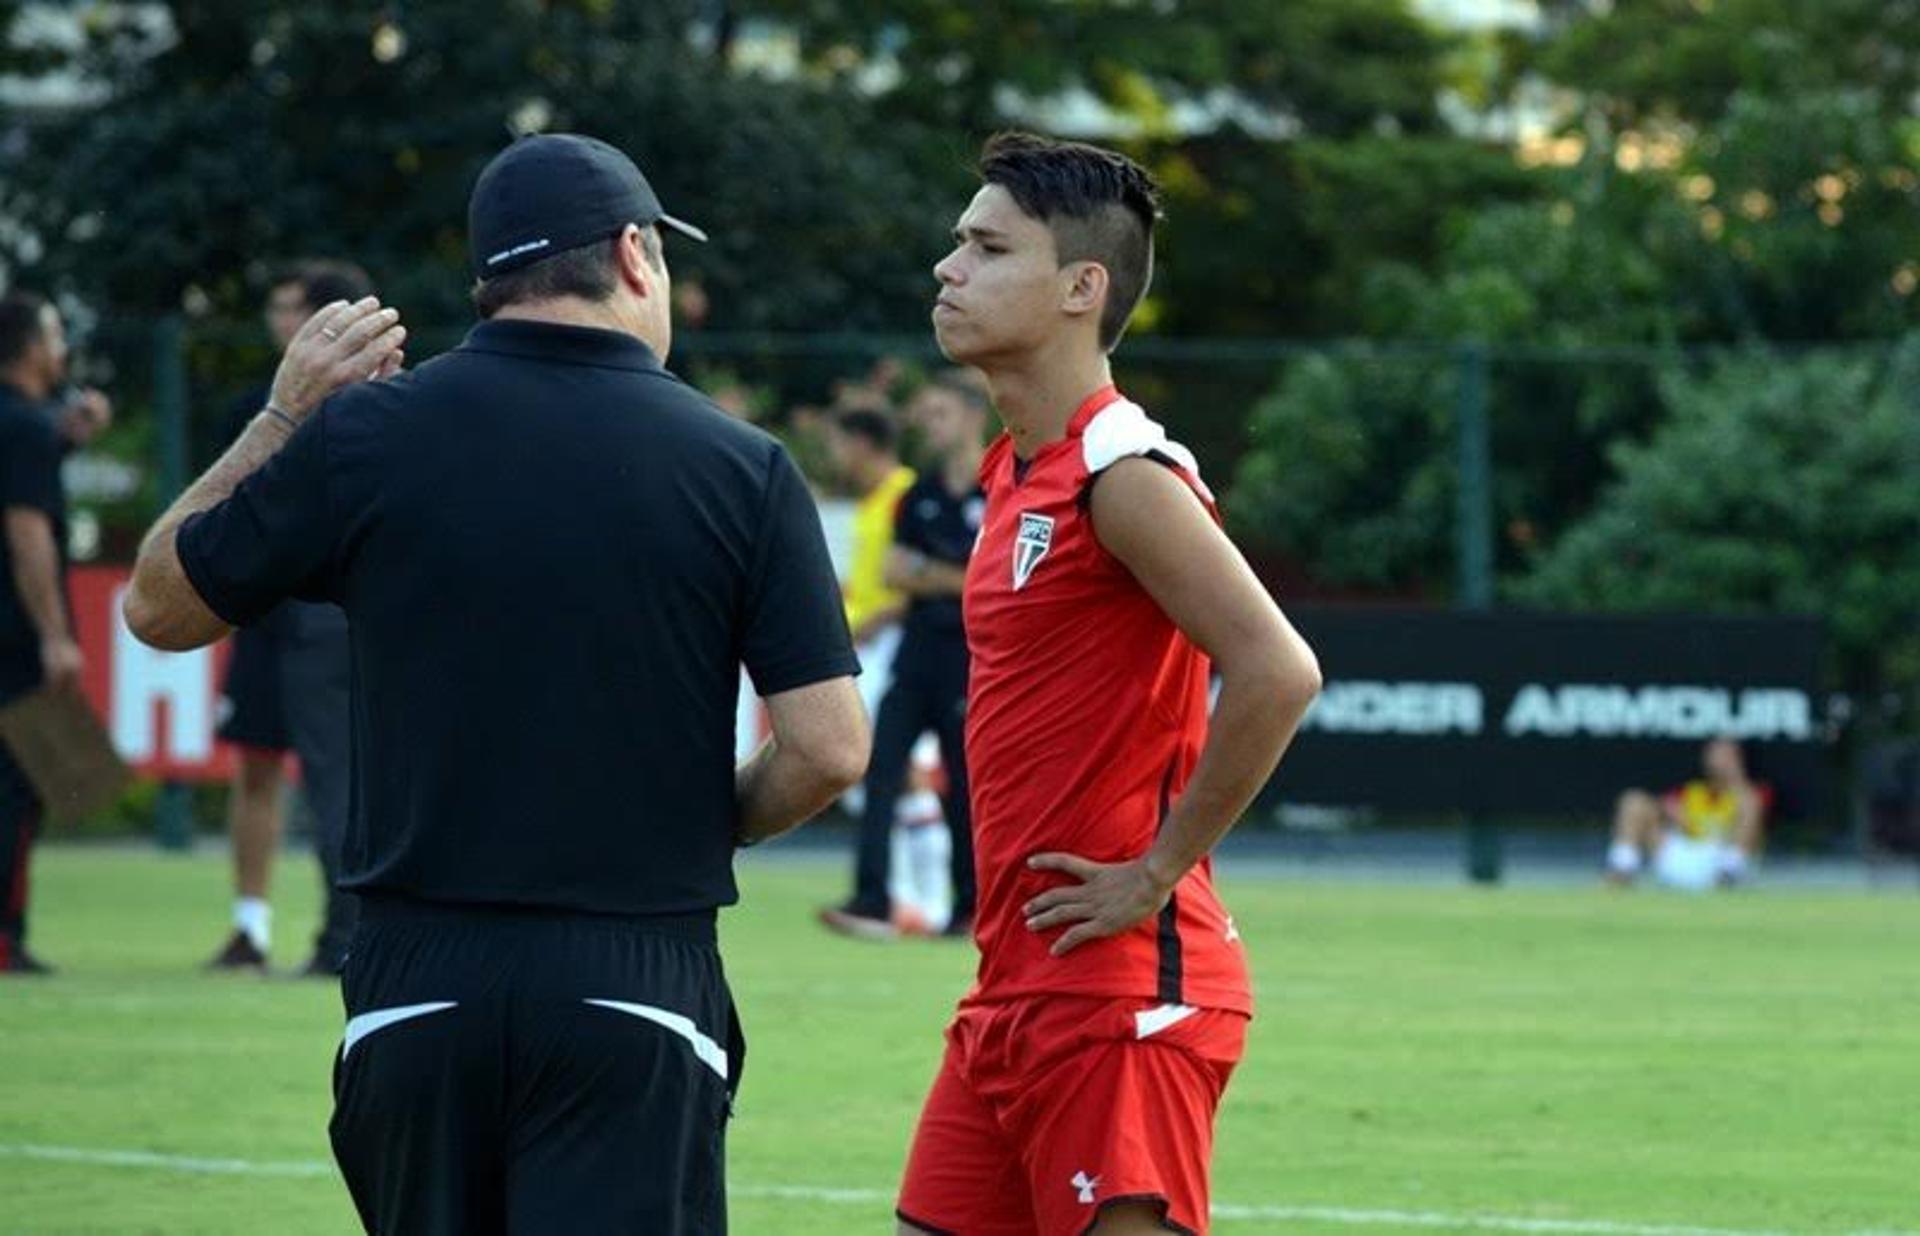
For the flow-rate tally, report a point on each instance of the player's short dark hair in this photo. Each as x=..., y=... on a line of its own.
x=876, y=427
x=1099, y=205
x=22, y=323
x=325, y=280
x=587, y=271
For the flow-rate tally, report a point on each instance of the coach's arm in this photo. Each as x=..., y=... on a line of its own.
x=339, y=344
x=1149, y=519
x=818, y=751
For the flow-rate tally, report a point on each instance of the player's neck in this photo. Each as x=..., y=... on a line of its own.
x=1036, y=395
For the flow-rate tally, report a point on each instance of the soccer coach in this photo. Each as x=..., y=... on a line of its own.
x=554, y=557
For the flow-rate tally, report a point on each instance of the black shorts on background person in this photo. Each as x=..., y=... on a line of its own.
x=554, y=558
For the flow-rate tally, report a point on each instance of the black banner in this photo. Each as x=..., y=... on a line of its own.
x=1443, y=710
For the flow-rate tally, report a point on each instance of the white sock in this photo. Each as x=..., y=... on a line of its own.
x=255, y=917
x=1733, y=864
x=917, y=880
x=917, y=807
x=930, y=852
x=899, y=868
x=1624, y=857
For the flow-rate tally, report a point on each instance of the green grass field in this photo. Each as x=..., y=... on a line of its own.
x=1523, y=1060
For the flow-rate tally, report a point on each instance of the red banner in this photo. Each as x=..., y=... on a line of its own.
x=160, y=708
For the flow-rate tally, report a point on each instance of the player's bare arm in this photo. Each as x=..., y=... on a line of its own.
x=1152, y=522
x=340, y=344
x=916, y=575
x=36, y=580
x=819, y=748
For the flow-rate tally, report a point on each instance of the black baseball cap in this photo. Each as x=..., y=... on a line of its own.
x=551, y=192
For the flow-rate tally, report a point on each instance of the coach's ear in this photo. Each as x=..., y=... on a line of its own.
x=638, y=270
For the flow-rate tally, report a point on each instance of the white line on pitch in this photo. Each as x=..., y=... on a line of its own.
x=168, y=1162
x=1223, y=1211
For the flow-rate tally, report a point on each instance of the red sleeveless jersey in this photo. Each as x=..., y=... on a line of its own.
x=1086, y=711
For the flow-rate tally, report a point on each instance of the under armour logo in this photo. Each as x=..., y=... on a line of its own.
x=1030, y=546
x=1086, y=1184
x=1233, y=933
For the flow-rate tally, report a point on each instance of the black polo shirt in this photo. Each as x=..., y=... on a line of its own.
x=554, y=557
x=941, y=525
x=30, y=451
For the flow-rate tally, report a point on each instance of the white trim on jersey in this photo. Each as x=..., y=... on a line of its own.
x=1123, y=430
x=1149, y=1022
x=709, y=1052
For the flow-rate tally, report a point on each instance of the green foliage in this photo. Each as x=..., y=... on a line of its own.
x=1776, y=484
x=1647, y=59
x=1340, y=470
x=268, y=131
x=1330, y=66
x=1274, y=238
x=1749, y=173
x=1813, y=215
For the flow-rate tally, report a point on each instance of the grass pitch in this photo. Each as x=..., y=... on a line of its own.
x=1527, y=1060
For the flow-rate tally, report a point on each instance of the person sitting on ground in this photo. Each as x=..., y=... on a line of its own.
x=1702, y=834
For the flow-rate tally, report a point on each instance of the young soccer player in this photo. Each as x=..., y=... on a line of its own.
x=1083, y=1070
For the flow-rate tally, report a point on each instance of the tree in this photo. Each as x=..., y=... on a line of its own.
x=1647, y=61
x=1716, y=200
x=1778, y=485
x=251, y=132
x=1327, y=66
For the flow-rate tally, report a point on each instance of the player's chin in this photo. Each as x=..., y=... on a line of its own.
x=957, y=343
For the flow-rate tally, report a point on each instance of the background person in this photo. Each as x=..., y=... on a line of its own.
x=1707, y=832
x=37, y=644
x=935, y=524
x=287, y=690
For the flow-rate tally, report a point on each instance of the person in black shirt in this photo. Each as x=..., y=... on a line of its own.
x=554, y=557
x=37, y=645
x=934, y=530
x=286, y=690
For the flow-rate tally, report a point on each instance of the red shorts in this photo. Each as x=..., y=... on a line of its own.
x=1049, y=1109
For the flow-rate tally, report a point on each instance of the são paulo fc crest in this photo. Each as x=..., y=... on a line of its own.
x=1030, y=546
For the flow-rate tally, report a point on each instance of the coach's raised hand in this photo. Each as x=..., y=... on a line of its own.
x=340, y=344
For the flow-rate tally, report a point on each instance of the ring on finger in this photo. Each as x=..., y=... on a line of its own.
x=329, y=332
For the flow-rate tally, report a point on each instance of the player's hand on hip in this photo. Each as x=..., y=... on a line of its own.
x=340, y=344
x=1110, y=898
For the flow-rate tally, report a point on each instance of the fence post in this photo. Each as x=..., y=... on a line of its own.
x=1473, y=529
x=173, y=810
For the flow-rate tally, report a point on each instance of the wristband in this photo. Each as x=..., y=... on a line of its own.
x=280, y=416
